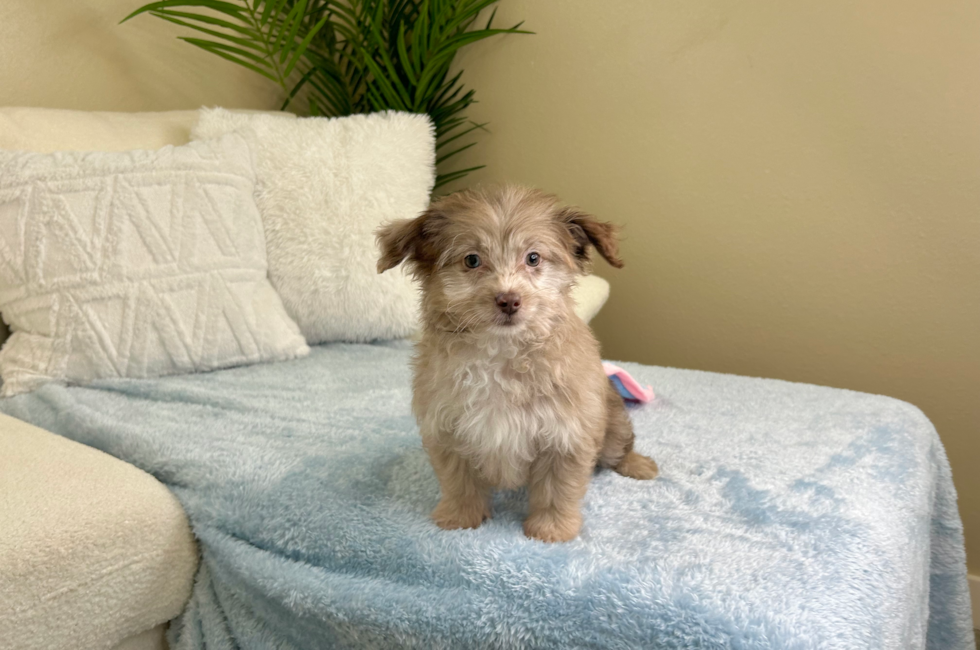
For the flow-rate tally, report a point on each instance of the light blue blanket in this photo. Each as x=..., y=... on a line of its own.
x=787, y=516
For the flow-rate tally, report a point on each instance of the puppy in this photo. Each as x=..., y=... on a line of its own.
x=509, y=388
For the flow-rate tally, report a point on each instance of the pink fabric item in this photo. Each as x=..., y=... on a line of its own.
x=636, y=391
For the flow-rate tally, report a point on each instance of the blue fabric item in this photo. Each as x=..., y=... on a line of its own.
x=622, y=390
x=787, y=516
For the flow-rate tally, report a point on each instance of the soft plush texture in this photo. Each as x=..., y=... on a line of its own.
x=786, y=516
x=134, y=264
x=325, y=185
x=93, y=551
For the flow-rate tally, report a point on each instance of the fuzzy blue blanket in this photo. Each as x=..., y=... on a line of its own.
x=786, y=516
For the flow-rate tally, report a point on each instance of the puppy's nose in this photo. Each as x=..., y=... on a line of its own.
x=509, y=302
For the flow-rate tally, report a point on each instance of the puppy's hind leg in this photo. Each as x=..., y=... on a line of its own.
x=465, y=498
x=617, y=449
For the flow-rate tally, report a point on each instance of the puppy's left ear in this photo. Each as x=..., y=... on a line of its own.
x=585, y=230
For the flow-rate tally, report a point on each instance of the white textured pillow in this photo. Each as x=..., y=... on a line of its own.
x=325, y=184
x=134, y=264
x=46, y=130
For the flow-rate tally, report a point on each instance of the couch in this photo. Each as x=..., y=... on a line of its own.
x=95, y=553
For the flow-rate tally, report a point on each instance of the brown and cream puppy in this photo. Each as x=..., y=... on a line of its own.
x=509, y=388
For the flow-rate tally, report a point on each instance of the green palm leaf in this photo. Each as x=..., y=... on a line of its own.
x=350, y=56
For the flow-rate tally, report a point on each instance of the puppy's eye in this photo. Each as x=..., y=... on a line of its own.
x=471, y=261
x=533, y=259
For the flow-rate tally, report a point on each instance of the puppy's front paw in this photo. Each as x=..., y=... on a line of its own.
x=451, y=515
x=637, y=466
x=549, y=526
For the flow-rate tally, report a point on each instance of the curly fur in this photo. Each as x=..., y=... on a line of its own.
x=503, y=399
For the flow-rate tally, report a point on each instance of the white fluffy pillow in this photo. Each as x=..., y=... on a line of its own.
x=324, y=186
x=134, y=264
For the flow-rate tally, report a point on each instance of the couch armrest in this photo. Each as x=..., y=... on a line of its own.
x=590, y=295
x=92, y=549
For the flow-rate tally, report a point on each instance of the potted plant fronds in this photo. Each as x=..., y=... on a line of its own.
x=350, y=56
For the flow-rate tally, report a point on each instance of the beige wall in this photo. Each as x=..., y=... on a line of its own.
x=73, y=54
x=799, y=181
x=799, y=184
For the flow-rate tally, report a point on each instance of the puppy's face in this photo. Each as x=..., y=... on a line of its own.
x=497, y=260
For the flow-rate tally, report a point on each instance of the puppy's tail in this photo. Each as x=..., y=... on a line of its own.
x=617, y=449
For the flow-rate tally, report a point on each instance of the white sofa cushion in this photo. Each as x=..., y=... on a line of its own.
x=325, y=185
x=45, y=130
x=134, y=264
x=92, y=549
x=590, y=294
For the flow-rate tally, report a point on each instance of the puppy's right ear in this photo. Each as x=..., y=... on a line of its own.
x=396, y=241
x=406, y=239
